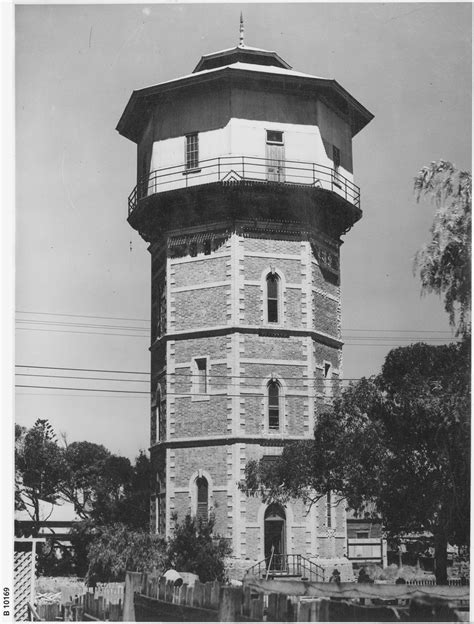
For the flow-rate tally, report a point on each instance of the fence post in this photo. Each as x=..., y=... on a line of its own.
x=189, y=596
x=230, y=603
x=246, y=600
x=198, y=594
x=277, y=608
x=256, y=607
x=215, y=591
x=132, y=584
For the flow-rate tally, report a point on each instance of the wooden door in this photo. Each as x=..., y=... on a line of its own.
x=275, y=156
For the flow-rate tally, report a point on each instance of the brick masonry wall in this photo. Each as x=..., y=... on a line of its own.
x=322, y=283
x=290, y=376
x=204, y=307
x=158, y=359
x=300, y=525
x=189, y=460
x=324, y=353
x=200, y=418
x=217, y=378
x=271, y=245
x=279, y=348
x=209, y=269
x=253, y=305
x=293, y=309
x=239, y=364
x=325, y=314
x=212, y=460
x=214, y=347
x=289, y=268
x=218, y=501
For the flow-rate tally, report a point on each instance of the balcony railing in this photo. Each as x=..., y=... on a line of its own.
x=245, y=168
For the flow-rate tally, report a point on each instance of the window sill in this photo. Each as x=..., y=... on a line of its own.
x=200, y=397
x=193, y=170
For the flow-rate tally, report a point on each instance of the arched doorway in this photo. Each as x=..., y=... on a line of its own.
x=274, y=536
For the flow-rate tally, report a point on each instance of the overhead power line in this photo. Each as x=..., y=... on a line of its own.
x=173, y=375
x=69, y=331
x=89, y=378
x=142, y=320
x=86, y=325
x=348, y=340
x=90, y=370
x=83, y=389
x=84, y=396
x=258, y=395
x=118, y=318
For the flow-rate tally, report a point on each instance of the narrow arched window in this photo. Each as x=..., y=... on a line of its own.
x=202, y=498
x=273, y=293
x=273, y=405
x=329, y=509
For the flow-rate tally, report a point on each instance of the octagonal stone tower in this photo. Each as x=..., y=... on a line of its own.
x=244, y=188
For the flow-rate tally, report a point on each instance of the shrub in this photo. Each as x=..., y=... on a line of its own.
x=116, y=549
x=193, y=548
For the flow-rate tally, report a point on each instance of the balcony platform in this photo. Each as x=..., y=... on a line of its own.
x=232, y=188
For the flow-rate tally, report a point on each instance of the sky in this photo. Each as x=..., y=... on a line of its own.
x=82, y=275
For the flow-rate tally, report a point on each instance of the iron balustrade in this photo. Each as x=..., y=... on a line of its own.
x=287, y=566
x=244, y=168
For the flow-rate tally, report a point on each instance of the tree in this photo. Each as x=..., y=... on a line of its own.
x=84, y=466
x=39, y=467
x=396, y=446
x=20, y=433
x=105, y=489
x=138, y=493
x=444, y=262
x=193, y=548
x=116, y=549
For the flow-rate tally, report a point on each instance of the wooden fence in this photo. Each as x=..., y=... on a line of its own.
x=104, y=602
x=455, y=582
x=150, y=599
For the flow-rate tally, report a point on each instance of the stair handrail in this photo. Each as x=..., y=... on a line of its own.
x=312, y=570
x=270, y=562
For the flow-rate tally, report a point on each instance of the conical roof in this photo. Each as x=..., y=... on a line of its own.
x=242, y=54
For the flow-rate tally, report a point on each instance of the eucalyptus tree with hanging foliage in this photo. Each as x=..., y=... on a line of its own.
x=444, y=262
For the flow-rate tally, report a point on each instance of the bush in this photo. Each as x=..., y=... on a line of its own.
x=193, y=548
x=116, y=549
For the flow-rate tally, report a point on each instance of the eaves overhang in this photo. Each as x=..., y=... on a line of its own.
x=241, y=53
x=136, y=112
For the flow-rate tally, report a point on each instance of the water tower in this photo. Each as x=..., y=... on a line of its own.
x=244, y=188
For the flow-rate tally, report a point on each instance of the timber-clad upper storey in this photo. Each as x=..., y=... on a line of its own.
x=219, y=75
x=243, y=132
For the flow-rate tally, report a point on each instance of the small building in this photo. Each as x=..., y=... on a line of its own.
x=365, y=541
x=244, y=188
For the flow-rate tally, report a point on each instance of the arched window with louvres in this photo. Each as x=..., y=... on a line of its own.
x=273, y=298
x=202, y=487
x=273, y=405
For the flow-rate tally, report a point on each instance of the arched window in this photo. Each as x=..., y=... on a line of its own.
x=328, y=509
x=273, y=405
x=202, y=498
x=160, y=507
x=273, y=296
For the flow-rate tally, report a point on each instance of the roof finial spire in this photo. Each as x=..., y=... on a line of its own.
x=241, y=37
